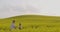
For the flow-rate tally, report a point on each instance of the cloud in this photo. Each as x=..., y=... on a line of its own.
x=10, y=8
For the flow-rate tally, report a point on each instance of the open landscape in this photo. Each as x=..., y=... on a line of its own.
x=29, y=15
x=31, y=23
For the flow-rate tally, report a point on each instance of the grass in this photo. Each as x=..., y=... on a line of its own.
x=31, y=23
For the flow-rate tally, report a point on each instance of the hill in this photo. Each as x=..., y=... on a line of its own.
x=29, y=21
x=32, y=18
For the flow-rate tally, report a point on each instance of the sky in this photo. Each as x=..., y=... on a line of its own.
x=9, y=8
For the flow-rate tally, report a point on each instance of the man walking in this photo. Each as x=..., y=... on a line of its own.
x=20, y=26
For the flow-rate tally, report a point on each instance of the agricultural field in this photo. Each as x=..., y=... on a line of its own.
x=31, y=23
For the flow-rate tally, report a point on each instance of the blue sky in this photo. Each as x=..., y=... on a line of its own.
x=10, y=8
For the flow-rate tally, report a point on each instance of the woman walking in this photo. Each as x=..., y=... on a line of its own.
x=13, y=25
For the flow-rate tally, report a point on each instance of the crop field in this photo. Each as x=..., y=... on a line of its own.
x=31, y=23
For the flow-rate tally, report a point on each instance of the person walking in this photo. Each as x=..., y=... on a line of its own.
x=13, y=25
x=20, y=26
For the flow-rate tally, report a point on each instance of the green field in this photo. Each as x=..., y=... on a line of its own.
x=32, y=23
